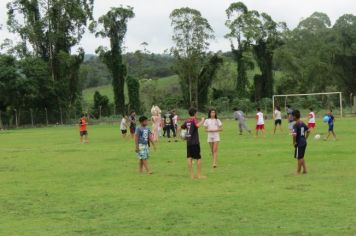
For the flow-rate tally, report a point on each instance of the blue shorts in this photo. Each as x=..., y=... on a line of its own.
x=144, y=151
x=331, y=128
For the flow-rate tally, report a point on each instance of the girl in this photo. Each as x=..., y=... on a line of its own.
x=277, y=119
x=123, y=126
x=213, y=126
x=156, y=123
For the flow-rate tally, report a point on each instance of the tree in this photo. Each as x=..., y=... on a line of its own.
x=238, y=20
x=133, y=87
x=114, y=27
x=101, y=105
x=192, y=33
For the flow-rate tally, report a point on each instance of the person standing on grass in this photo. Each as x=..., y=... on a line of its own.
x=240, y=117
x=331, y=122
x=175, y=121
x=123, y=126
x=260, y=122
x=193, y=145
x=156, y=124
x=213, y=126
x=300, y=135
x=290, y=118
x=143, y=138
x=169, y=126
x=132, y=120
x=84, y=138
x=277, y=119
x=311, y=122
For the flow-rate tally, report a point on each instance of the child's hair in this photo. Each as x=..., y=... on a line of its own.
x=278, y=108
x=131, y=112
x=192, y=111
x=331, y=110
x=210, y=111
x=311, y=109
x=296, y=114
x=236, y=109
x=288, y=106
x=82, y=115
x=142, y=119
x=258, y=109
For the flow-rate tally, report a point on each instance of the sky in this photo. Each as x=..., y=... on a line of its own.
x=152, y=25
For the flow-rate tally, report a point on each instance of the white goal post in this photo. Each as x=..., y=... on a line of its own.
x=307, y=94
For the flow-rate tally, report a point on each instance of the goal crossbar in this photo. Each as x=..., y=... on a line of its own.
x=309, y=94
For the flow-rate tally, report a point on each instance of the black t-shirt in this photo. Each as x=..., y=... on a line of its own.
x=299, y=130
x=168, y=119
x=132, y=120
x=192, y=131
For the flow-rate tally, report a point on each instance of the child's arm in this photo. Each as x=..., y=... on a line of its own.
x=307, y=134
x=152, y=142
x=136, y=143
x=200, y=123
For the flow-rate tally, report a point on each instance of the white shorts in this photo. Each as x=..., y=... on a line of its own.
x=213, y=137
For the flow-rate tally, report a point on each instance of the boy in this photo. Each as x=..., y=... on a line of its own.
x=260, y=122
x=290, y=117
x=83, y=129
x=169, y=126
x=143, y=138
x=277, y=115
x=331, y=122
x=132, y=120
x=300, y=136
x=123, y=126
x=193, y=145
x=240, y=116
x=311, y=122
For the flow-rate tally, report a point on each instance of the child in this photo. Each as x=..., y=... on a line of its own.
x=311, y=122
x=169, y=126
x=331, y=122
x=156, y=122
x=277, y=119
x=260, y=122
x=175, y=121
x=123, y=126
x=83, y=129
x=240, y=116
x=132, y=120
x=290, y=117
x=143, y=138
x=193, y=145
x=213, y=126
x=300, y=136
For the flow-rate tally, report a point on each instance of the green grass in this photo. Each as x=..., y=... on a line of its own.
x=161, y=84
x=51, y=185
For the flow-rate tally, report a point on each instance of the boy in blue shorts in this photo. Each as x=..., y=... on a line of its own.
x=331, y=122
x=300, y=136
x=143, y=138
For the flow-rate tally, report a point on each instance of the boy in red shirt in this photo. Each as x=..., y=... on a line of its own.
x=83, y=129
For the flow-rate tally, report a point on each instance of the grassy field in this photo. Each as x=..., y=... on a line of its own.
x=51, y=185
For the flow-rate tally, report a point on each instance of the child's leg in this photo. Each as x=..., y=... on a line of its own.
x=190, y=167
x=299, y=167
x=215, y=153
x=145, y=165
x=199, y=168
x=211, y=145
x=86, y=138
x=81, y=139
x=334, y=134
x=304, y=166
x=140, y=166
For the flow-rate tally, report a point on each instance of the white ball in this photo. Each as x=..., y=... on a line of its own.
x=183, y=133
x=317, y=137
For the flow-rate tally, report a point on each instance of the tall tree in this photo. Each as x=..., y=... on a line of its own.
x=114, y=27
x=133, y=87
x=238, y=20
x=192, y=33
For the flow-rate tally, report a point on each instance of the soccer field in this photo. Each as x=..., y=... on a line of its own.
x=52, y=185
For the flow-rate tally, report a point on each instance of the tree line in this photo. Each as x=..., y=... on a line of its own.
x=42, y=71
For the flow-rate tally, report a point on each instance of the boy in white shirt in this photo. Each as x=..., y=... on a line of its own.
x=123, y=126
x=311, y=122
x=260, y=122
x=277, y=119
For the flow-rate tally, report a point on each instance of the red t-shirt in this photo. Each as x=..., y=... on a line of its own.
x=83, y=124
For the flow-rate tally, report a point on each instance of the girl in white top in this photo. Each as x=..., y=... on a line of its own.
x=277, y=119
x=260, y=122
x=213, y=126
x=123, y=126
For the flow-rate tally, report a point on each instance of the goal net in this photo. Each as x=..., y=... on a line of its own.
x=320, y=102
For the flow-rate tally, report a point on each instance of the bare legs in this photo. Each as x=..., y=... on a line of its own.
x=331, y=132
x=214, y=152
x=190, y=168
x=84, y=139
x=301, y=165
x=143, y=164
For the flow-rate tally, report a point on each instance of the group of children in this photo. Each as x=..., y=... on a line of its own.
x=144, y=138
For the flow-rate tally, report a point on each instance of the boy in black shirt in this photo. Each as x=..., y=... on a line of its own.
x=193, y=145
x=300, y=136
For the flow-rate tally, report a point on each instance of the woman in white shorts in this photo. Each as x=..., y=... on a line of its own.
x=213, y=126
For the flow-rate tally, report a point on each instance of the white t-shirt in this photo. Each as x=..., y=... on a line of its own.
x=260, y=118
x=277, y=115
x=123, y=124
x=175, y=120
x=312, y=117
x=213, y=124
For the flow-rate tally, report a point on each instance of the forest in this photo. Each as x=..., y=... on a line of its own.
x=42, y=79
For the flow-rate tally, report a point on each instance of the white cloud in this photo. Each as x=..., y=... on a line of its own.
x=151, y=23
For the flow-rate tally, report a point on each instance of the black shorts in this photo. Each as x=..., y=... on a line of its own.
x=124, y=131
x=132, y=129
x=278, y=122
x=83, y=133
x=193, y=151
x=300, y=152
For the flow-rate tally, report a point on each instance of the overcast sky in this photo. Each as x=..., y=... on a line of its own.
x=152, y=25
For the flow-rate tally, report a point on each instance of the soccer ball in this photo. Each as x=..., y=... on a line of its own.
x=317, y=137
x=326, y=119
x=183, y=133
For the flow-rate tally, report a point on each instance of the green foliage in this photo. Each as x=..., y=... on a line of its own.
x=101, y=105
x=114, y=27
x=133, y=87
